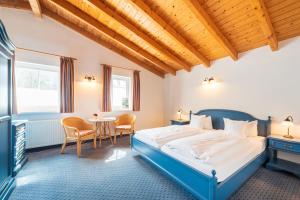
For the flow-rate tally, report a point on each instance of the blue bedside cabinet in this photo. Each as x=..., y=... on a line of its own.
x=279, y=143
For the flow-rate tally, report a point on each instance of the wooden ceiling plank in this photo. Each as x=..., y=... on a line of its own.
x=36, y=7
x=211, y=27
x=132, y=27
x=25, y=6
x=102, y=42
x=164, y=24
x=265, y=23
x=111, y=34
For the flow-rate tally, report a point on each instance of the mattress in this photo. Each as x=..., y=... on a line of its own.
x=157, y=137
x=225, y=162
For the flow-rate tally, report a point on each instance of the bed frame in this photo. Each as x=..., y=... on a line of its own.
x=202, y=185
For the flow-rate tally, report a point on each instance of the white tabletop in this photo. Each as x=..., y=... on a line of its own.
x=103, y=119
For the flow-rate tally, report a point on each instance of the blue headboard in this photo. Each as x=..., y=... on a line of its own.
x=217, y=115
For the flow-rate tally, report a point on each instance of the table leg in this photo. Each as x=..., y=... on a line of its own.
x=108, y=123
x=115, y=136
x=100, y=132
x=105, y=129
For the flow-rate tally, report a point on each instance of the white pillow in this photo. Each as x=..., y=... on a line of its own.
x=197, y=121
x=251, y=130
x=235, y=128
x=208, y=123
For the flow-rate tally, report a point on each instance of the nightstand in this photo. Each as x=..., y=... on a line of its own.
x=179, y=122
x=279, y=143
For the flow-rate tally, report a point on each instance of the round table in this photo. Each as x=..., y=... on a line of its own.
x=103, y=127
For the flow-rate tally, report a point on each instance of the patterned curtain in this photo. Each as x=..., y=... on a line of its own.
x=66, y=85
x=106, y=105
x=136, y=91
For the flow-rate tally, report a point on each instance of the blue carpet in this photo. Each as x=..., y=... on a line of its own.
x=114, y=172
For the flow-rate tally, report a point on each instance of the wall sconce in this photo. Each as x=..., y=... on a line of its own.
x=289, y=121
x=208, y=81
x=89, y=78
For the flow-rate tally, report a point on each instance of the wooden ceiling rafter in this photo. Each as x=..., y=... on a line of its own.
x=70, y=8
x=265, y=23
x=98, y=40
x=135, y=29
x=23, y=5
x=211, y=27
x=26, y=6
x=142, y=5
x=36, y=7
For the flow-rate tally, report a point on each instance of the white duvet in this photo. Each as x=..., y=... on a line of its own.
x=160, y=136
x=215, y=151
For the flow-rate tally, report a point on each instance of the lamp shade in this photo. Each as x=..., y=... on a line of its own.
x=288, y=121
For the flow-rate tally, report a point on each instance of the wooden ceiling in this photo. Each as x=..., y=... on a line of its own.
x=170, y=35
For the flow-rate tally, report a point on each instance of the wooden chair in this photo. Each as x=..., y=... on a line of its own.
x=124, y=124
x=77, y=129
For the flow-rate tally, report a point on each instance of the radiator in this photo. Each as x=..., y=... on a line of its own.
x=43, y=133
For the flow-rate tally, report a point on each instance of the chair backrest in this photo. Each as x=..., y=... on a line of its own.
x=75, y=122
x=126, y=119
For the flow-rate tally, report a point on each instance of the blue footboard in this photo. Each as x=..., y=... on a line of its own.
x=200, y=184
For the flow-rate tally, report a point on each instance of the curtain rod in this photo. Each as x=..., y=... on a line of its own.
x=125, y=68
x=41, y=52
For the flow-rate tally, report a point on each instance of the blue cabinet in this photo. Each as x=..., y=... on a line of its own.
x=7, y=182
x=278, y=143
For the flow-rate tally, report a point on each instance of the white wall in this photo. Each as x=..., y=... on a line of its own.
x=261, y=83
x=47, y=35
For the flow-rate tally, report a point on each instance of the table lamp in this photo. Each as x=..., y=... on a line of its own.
x=288, y=122
x=179, y=112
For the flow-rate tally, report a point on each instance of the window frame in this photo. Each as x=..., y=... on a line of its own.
x=122, y=77
x=43, y=67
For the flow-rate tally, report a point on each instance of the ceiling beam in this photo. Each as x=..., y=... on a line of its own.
x=25, y=6
x=102, y=42
x=142, y=5
x=68, y=7
x=135, y=29
x=36, y=7
x=265, y=23
x=212, y=28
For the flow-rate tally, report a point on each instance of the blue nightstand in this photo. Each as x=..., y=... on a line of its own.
x=279, y=143
x=179, y=122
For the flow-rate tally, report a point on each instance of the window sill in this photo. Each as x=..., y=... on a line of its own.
x=38, y=113
x=122, y=110
x=37, y=116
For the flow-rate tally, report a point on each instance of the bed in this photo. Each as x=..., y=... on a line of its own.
x=157, y=137
x=205, y=185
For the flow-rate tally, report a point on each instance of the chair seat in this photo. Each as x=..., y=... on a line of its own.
x=123, y=127
x=86, y=132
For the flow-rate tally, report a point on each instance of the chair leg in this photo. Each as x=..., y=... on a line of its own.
x=129, y=132
x=63, y=146
x=78, y=148
x=95, y=141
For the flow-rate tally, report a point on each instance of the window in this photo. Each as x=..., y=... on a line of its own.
x=121, y=93
x=37, y=87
